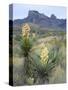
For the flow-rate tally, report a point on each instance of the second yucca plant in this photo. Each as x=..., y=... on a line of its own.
x=44, y=61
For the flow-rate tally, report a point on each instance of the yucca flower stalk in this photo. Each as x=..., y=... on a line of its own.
x=26, y=31
x=26, y=39
x=44, y=54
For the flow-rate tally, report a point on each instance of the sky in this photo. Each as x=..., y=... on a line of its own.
x=20, y=11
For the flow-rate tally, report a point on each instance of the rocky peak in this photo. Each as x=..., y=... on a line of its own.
x=53, y=16
x=33, y=16
x=33, y=12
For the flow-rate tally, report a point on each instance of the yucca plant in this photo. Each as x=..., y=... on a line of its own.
x=44, y=62
x=26, y=44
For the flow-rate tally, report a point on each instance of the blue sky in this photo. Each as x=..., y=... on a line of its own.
x=20, y=11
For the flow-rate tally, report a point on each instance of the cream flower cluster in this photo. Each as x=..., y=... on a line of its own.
x=43, y=54
x=26, y=30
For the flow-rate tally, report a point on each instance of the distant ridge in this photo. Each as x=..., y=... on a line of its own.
x=41, y=20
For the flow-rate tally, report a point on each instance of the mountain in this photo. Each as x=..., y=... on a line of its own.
x=41, y=20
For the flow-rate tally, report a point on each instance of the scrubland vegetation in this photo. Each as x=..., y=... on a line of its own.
x=39, y=57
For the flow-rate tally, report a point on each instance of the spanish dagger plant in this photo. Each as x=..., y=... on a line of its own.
x=44, y=62
x=26, y=45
